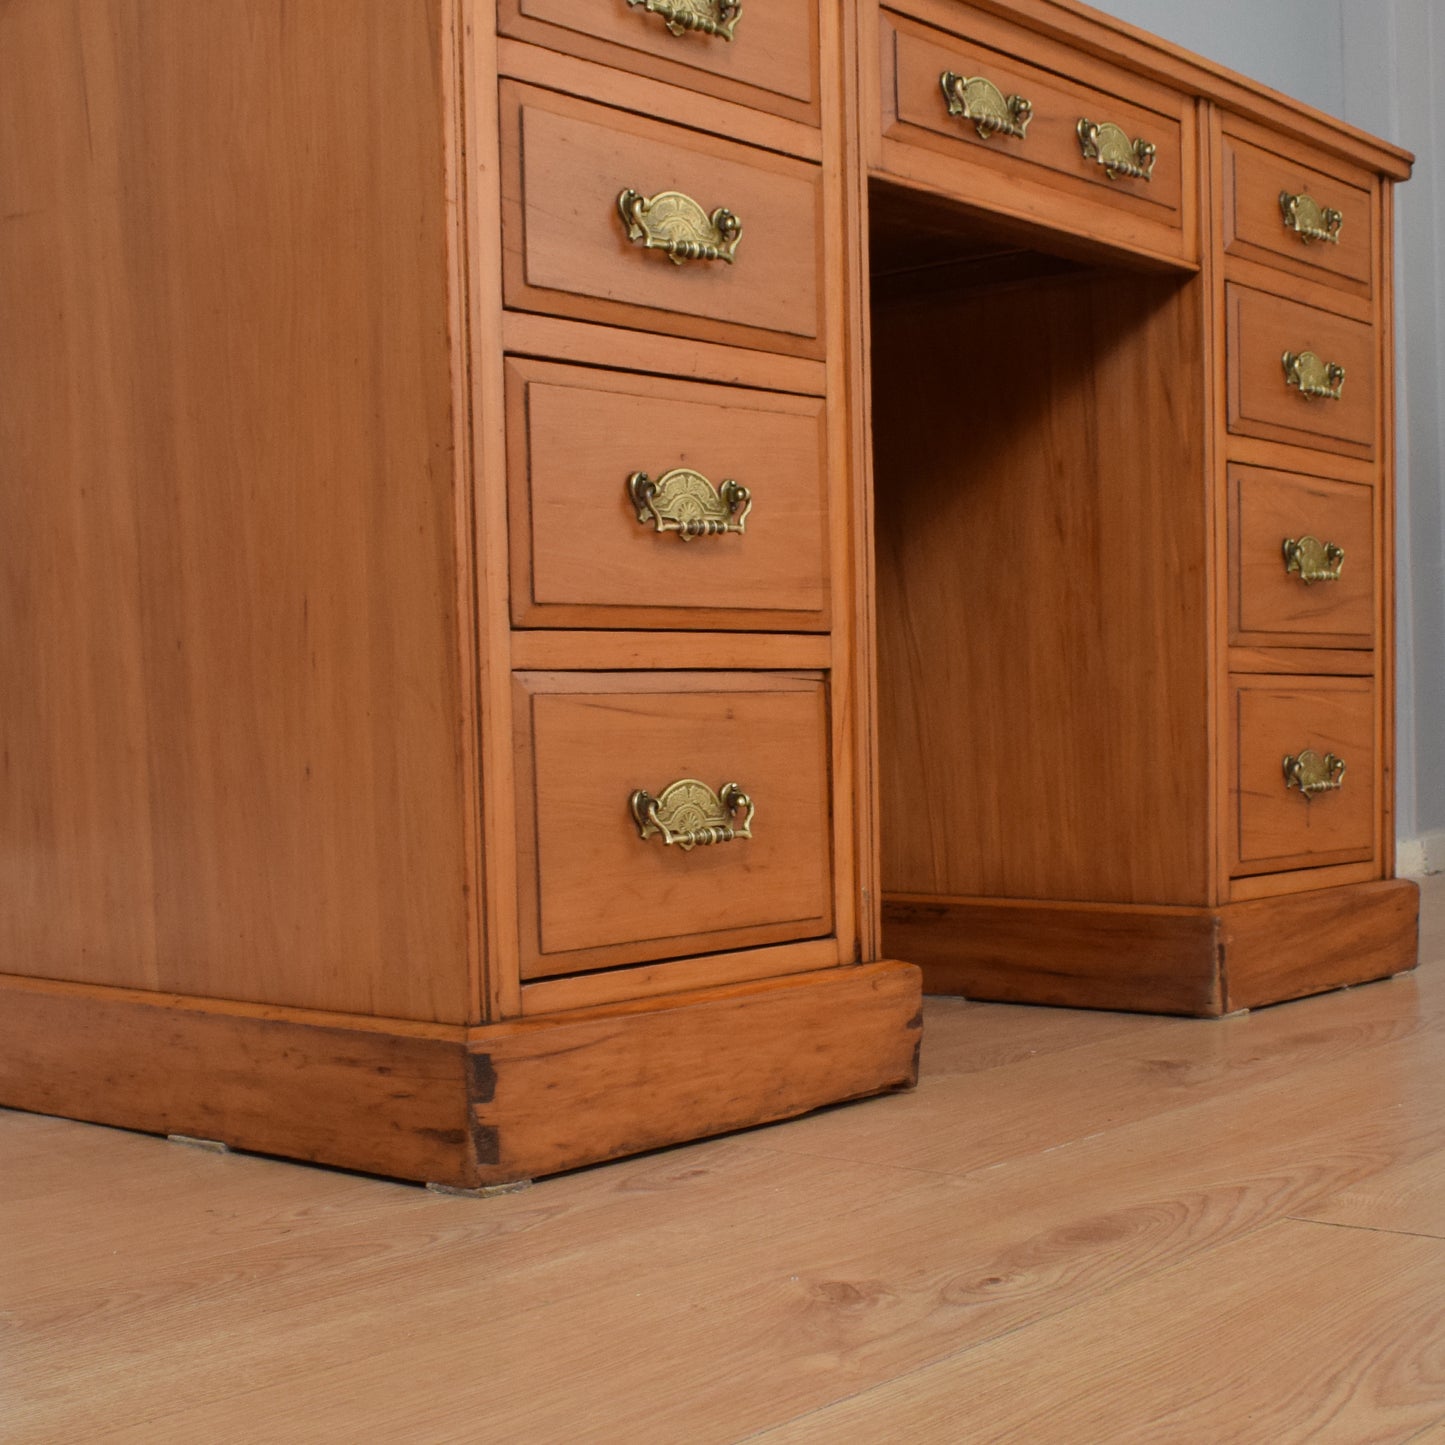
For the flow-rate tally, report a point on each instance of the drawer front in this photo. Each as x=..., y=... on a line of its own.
x=1321, y=589
x=586, y=449
x=1049, y=151
x=764, y=56
x=594, y=892
x=1278, y=826
x=567, y=247
x=1285, y=213
x=1262, y=329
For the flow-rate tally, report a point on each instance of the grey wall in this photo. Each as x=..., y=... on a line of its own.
x=1377, y=64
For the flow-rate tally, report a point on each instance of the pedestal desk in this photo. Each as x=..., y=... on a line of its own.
x=549, y=543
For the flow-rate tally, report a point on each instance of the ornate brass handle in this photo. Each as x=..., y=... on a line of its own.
x=687, y=814
x=1309, y=220
x=972, y=97
x=1313, y=377
x=1106, y=143
x=685, y=502
x=1311, y=773
x=1315, y=561
x=707, y=17
x=675, y=223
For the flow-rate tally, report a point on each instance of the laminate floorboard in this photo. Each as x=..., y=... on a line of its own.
x=1198, y=1352
x=1081, y=1225
x=1409, y=1199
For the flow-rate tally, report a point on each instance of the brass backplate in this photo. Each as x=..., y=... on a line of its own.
x=717, y=18
x=674, y=223
x=1313, y=377
x=1313, y=560
x=978, y=99
x=1311, y=773
x=1309, y=220
x=685, y=502
x=1106, y=143
x=687, y=814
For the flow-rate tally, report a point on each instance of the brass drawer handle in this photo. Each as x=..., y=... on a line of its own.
x=1311, y=773
x=1313, y=377
x=1106, y=143
x=706, y=17
x=972, y=97
x=1315, y=561
x=685, y=502
x=675, y=223
x=688, y=814
x=1309, y=220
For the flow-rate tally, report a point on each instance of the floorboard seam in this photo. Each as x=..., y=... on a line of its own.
x=1366, y=1228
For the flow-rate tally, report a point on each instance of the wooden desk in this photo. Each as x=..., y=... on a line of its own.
x=456, y=725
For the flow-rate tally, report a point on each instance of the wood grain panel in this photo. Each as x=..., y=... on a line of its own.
x=1254, y=224
x=565, y=163
x=1407, y=1199
x=1198, y=1353
x=771, y=63
x=1275, y=825
x=1197, y=961
x=1042, y=593
x=388, y=1100
x=600, y=1083
x=581, y=558
x=1143, y=960
x=1040, y=180
x=917, y=58
x=232, y=696
x=1261, y=328
x=454, y=1106
x=1270, y=606
x=1048, y=1160
x=1307, y=942
x=598, y=895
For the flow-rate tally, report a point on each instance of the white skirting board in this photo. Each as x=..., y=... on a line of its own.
x=1418, y=857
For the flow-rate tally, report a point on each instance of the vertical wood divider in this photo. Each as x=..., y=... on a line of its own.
x=500, y=993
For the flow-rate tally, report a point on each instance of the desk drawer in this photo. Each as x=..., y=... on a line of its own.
x=1320, y=591
x=1266, y=397
x=583, y=555
x=1319, y=723
x=1022, y=123
x=762, y=55
x=1285, y=213
x=569, y=251
x=594, y=892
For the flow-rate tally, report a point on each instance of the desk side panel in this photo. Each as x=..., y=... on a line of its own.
x=230, y=716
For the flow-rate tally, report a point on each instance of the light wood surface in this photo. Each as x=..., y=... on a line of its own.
x=231, y=694
x=1317, y=933
x=682, y=104
x=1323, y=936
x=277, y=742
x=553, y=1093
x=1261, y=329
x=1131, y=1216
x=466, y=1107
x=914, y=142
x=770, y=64
x=1070, y=761
x=567, y=250
x=916, y=59
x=1254, y=223
x=580, y=556
x=1270, y=606
x=597, y=895
x=1277, y=718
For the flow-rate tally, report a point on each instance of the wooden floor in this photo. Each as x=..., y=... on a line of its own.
x=1081, y=1228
